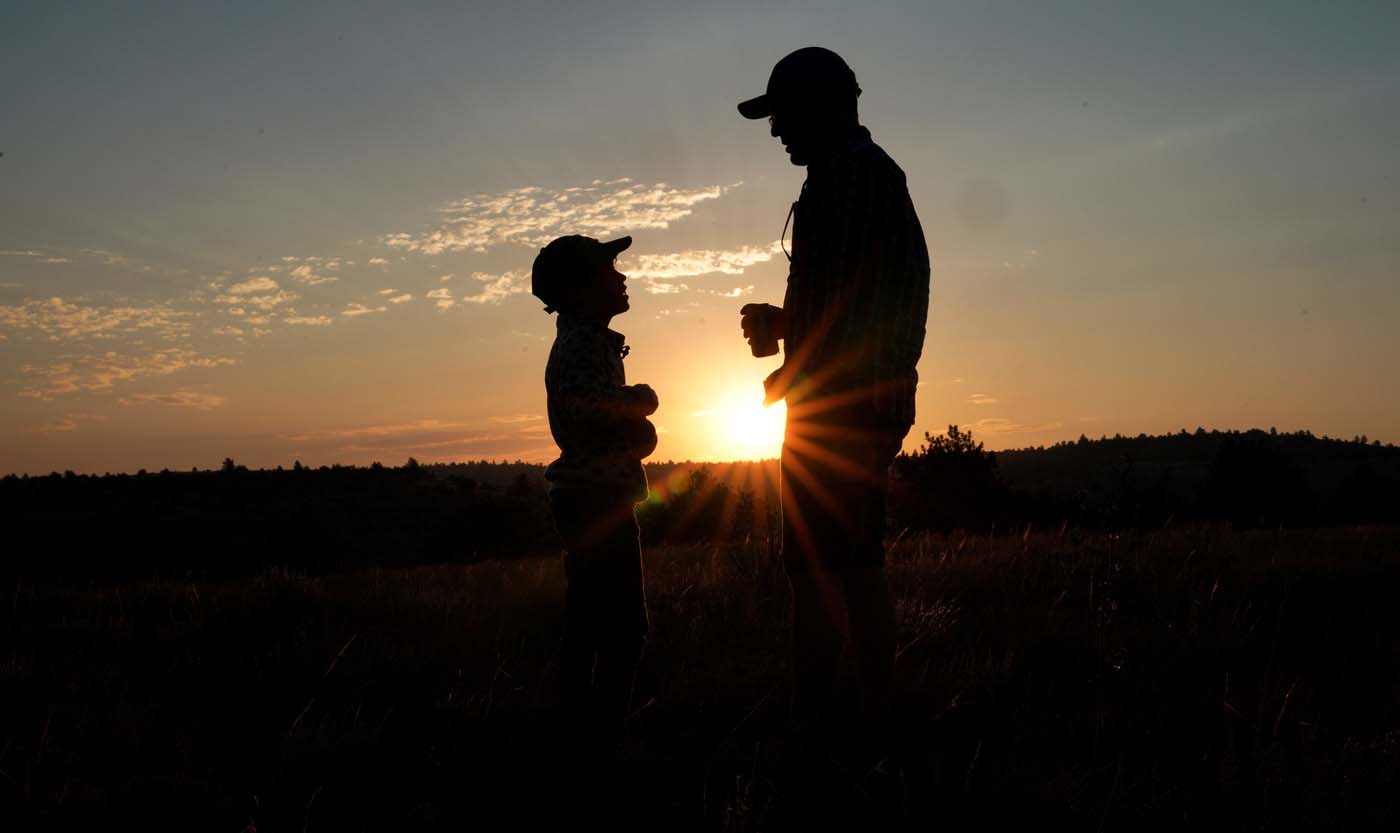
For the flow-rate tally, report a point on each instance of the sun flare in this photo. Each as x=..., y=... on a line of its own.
x=741, y=428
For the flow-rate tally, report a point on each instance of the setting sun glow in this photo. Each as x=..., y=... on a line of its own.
x=742, y=429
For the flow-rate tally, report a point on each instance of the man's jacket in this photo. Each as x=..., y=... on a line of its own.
x=857, y=291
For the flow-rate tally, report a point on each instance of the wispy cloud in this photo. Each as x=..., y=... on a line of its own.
x=181, y=398
x=518, y=418
x=102, y=372
x=70, y=422
x=532, y=216
x=60, y=319
x=982, y=399
x=378, y=261
x=695, y=262
x=393, y=429
x=307, y=320
x=108, y=258
x=401, y=299
x=308, y=275
x=311, y=271
x=514, y=436
x=361, y=309
x=441, y=298
x=498, y=287
x=1006, y=426
x=253, y=286
x=261, y=292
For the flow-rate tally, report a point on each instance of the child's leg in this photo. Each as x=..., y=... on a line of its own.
x=623, y=618
x=605, y=613
x=573, y=512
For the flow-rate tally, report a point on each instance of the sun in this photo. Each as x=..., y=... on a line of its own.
x=742, y=429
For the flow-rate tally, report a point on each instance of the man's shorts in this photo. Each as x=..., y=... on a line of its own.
x=835, y=481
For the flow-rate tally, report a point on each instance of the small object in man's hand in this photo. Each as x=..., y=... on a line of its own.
x=758, y=329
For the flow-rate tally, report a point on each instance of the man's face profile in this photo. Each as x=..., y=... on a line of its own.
x=803, y=128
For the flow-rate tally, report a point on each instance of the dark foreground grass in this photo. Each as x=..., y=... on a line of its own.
x=1187, y=678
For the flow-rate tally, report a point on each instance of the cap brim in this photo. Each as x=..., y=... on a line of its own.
x=613, y=247
x=756, y=108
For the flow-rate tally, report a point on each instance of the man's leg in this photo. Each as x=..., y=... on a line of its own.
x=870, y=606
x=818, y=634
x=818, y=610
x=869, y=603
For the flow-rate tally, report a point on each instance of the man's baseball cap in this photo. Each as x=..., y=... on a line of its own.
x=810, y=72
x=565, y=260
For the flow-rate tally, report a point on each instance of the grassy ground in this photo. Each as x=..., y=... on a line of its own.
x=1186, y=678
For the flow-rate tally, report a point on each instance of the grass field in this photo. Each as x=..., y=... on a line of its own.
x=1184, y=678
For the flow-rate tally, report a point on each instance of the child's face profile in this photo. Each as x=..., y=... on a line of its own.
x=604, y=296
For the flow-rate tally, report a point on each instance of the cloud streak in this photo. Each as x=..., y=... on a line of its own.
x=60, y=319
x=532, y=216
x=497, y=288
x=514, y=436
x=1005, y=426
x=307, y=320
x=181, y=398
x=103, y=372
x=261, y=293
x=311, y=271
x=695, y=262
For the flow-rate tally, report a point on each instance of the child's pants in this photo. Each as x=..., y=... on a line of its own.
x=605, y=612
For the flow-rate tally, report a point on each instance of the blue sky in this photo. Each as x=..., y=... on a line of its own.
x=1141, y=217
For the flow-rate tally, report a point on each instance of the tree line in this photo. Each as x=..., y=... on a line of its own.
x=232, y=520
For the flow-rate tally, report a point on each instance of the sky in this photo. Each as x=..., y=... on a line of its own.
x=279, y=233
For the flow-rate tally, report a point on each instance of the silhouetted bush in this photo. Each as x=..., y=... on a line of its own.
x=949, y=482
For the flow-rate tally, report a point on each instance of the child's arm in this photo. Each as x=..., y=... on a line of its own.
x=585, y=392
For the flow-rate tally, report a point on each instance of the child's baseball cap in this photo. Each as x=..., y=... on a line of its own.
x=565, y=259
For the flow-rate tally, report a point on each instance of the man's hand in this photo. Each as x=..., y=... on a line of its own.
x=775, y=386
x=760, y=320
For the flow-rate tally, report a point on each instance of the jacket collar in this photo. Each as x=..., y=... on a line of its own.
x=572, y=322
x=858, y=138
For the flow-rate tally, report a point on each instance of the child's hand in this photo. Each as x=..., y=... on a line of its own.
x=641, y=437
x=645, y=398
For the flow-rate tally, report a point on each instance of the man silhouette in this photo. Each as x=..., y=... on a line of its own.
x=852, y=327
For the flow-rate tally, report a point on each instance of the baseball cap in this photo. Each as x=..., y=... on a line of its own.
x=565, y=259
x=810, y=71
